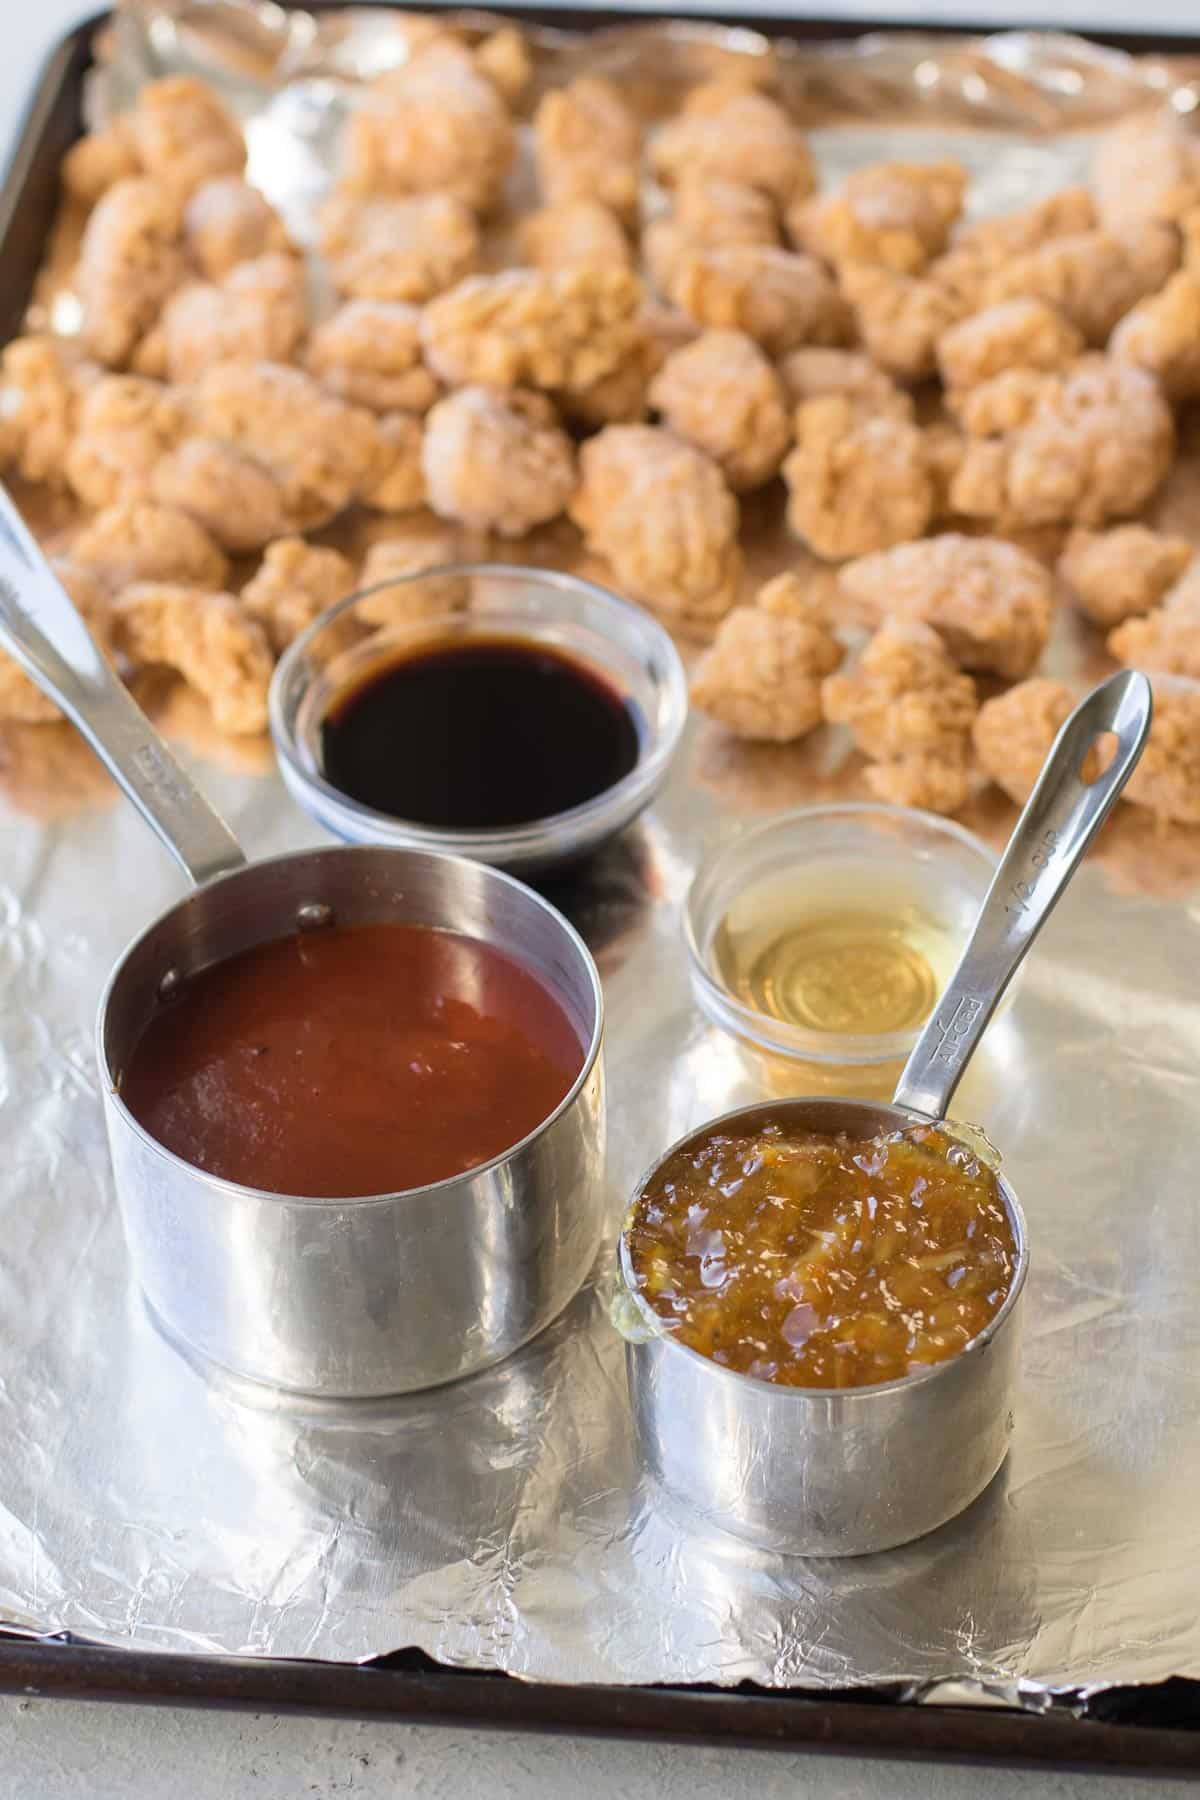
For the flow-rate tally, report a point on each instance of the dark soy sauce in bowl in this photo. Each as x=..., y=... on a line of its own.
x=479, y=735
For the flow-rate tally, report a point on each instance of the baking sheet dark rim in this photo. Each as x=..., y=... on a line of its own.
x=1147, y=1730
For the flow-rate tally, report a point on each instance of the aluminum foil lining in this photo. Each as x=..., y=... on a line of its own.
x=502, y=1523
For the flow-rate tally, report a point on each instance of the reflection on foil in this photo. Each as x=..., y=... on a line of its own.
x=502, y=1523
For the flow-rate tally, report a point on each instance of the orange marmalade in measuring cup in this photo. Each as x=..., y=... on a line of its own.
x=823, y=1261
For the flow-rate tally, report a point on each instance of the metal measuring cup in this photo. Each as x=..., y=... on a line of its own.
x=838, y=1472
x=379, y=1295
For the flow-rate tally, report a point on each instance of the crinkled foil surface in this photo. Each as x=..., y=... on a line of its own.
x=501, y=1523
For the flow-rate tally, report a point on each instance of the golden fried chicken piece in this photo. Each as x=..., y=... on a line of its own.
x=434, y=126
x=779, y=299
x=1006, y=402
x=226, y=222
x=707, y=215
x=1114, y=574
x=20, y=698
x=811, y=373
x=623, y=398
x=792, y=596
x=42, y=380
x=129, y=261
x=588, y=146
x=1094, y=447
x=400, y=486
x=1014, y=334
x=236, y=500
x=1155, y=254
x=125, y=426
x=721, y=394
x=1162, y=336
x=504, y=57
x=526, y=328
x=95, y=162
x=1089, y=277
x=727, y=132
x=896, y=214
x=497, y=459
x=660, y=513
x=761, y=677
x=207, y=638
x=369, y=352
x=911, y=713
x=321, y=452
x=185, y=135
x=1014, y=732
x=1167, y=640
x=901, y=318
x=1167, y=779
x=989, y=602
x=855, y=483
x=406, y=601
x=294, y=583
x=136, y=540
x=712, y=212
x=258, y=311
x=979, y=250
x=381, y=249
x=575, y=234
x=1146, y=171
x=928, y=783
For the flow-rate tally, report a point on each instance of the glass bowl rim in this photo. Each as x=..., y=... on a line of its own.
x=590, y=818
x=776, y=1037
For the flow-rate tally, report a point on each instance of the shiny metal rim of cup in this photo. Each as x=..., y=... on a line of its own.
x=758, y=1028
x=240, y=1190
x=552, y=837
x=657, y=1327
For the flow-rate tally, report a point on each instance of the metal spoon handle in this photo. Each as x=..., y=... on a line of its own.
x=1061, y=817
x=41, y=630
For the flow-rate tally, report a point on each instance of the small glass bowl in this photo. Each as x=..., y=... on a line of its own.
x=914, y=858
x=620, y=643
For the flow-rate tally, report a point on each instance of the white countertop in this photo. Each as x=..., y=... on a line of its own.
x=63, y=1750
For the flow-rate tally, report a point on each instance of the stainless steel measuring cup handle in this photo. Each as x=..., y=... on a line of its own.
x=1061, y=817
x=42, y=631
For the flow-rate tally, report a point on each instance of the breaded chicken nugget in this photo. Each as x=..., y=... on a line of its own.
x=659, y=511
x=1014, y=732
x=130, y=259
x=911, y=713
x=588, y=146
x=855, y=483
x=208, y=639
x=761, y=677
x=721, y=394
x=1095, y=445
x=435, y=125
x=1014, y=334
x=369, y=353
x=989, y=602
x=135, y=540
x=294, y=582
x=226, y=222
x=728, y=132
x=497, y=459
x=897, y=214
x=526, y=328
x=1114, y=574
x=388, y=249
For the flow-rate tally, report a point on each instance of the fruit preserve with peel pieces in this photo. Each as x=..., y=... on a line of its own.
x=821, y=1261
